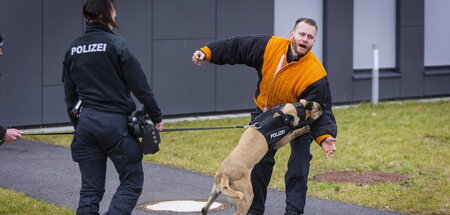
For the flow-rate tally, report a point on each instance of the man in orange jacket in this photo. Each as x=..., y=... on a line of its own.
x=288, y=72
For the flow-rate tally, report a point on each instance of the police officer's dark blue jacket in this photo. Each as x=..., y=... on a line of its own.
x=99, y=69
x=2, y=133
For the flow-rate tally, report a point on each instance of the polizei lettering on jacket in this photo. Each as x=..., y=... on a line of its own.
x=95, y=47
x=277, y=134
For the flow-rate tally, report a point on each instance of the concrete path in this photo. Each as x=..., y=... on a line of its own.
x=47, y=172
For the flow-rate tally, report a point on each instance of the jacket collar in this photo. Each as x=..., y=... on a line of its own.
x=289, y=55
x=96, y=26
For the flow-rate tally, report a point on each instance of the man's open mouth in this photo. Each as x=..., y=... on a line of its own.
x=302, y=46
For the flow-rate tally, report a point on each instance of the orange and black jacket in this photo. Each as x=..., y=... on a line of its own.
x=281, y=80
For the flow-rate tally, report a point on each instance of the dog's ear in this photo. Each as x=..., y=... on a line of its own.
x=303, y=102
x=309, y=105
x=313, y=110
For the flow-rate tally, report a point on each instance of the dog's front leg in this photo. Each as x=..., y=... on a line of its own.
x=289, y=137
x=298, y=132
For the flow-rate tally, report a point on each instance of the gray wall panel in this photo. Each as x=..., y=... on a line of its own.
x=236, y=17
x=176, y=19
x=236, y=86
x=180, y=86
x=437, y=85
x=389, y=88
x=410, y=46
x=437, y=81
x=21, y=64
x=412, y=61
x=411, y=11
x=135, y=21
x=338, y=48
x=62, y=24
x=54, y=107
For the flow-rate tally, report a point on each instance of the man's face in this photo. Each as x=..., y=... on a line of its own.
x=1, y=52
x=303, y=37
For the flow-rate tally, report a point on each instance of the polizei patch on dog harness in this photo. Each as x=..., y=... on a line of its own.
x=275, y=128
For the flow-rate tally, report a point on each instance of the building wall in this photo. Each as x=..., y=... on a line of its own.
x=163, y=34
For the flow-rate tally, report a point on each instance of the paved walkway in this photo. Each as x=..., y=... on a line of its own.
x=47, y=172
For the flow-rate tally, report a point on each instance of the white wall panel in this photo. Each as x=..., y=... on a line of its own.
x=437, y=33
x=374, y=22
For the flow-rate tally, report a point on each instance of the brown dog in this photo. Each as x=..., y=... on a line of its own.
x=233, y=176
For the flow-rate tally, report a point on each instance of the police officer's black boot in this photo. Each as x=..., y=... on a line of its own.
x=292, y=212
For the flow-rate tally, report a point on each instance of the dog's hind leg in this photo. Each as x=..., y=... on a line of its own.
x=244, y=185
x=226, y=189
x=215, y=192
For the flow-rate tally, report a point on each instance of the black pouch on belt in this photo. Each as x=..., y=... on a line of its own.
x=150, y=140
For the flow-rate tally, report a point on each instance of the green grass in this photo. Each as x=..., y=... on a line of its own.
x=15, y=203
x=411, y=139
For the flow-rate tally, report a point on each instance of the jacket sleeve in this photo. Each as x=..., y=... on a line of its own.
x=325, y=126
x=70, y=93
x=136, y=80
x=2, y=132
x=248, y=50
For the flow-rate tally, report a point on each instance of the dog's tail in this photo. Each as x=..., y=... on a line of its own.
x=226, y=189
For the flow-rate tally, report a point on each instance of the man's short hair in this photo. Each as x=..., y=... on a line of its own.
x=307, y=21
x=1, y=41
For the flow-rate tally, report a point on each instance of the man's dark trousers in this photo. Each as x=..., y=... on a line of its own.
x=100, y=135
x=296, y=177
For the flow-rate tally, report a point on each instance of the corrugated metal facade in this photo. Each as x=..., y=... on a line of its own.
x=163, y=34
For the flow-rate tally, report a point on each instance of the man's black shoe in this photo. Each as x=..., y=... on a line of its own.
x=291, y=212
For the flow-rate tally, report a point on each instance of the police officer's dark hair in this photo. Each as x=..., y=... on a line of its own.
x=100, y=11
x=308, y=21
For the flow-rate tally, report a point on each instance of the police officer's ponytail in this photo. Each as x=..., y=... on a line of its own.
x=100, y=11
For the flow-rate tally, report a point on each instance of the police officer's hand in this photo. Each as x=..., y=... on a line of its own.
x=12, y=135
x=328, y=146
x=198, y=57
x=159, y=126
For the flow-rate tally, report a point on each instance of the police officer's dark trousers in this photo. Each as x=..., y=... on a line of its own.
x=100, y=135
x=296, y=176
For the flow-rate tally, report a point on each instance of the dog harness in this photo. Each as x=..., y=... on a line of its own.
x=275, y=128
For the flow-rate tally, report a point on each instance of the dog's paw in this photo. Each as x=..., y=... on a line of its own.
x=303, y=130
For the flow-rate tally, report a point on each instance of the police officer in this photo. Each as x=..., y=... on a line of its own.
x=1, y=45
x=10, y=134
x=100, y=70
